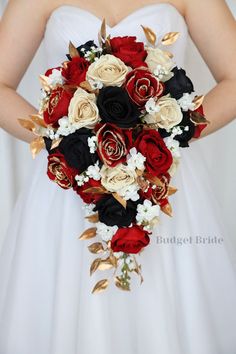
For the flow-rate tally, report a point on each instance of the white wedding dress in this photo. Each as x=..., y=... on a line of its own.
x=187, y=302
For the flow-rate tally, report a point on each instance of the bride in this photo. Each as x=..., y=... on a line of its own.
x=187, y=303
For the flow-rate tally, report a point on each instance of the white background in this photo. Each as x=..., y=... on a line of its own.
x=219, y=148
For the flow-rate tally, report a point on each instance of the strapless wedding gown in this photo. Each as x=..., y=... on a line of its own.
x=187, y=302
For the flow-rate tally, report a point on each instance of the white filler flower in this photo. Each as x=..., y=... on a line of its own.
x=55, y=78
x=65, y=128
x=93, y=171
x=186, y=102
x=105, y=232
x=92, y=143
x=173, y=146
x=135, y=160
x=146, y=212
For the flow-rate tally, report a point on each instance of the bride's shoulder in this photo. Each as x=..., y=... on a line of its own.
x=42, y=8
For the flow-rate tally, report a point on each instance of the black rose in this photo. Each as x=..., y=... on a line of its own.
x=111, y=212
x=188, y=128
x=178, y=84
x=87, y=47
x=116, y=107
x=76, y=151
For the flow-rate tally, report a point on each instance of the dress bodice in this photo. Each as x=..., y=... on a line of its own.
x=71, y=23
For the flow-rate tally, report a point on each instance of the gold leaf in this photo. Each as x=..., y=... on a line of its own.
x=198, y=118
x=97, y=190
x=170, y=38
x=96, y=247
x=73, y=51
x=153, y=179
x=143, y=183
x=65, y=63
x=38, y=120
x=44, y=82
x=55, y=143
x=170, y=55
x=92, y=218
x=139, y=172
x=113, y=260
x=100, y=286
x=167, y=209
x=121, y=285
x=102, y=33
x=86, y=86
x=121, y=200
x=89, y=233
x=105, y=264
x=198, y=100
x=172, y=190
x=27, y=124
x=150, y=35
x=108, y=45
x=137, y=266
x=36, y=146
x=94, y=265
x=103, y=29
x=70, y=88
x=138, y=271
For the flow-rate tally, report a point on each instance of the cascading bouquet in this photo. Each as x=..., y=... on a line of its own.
x=113, y=118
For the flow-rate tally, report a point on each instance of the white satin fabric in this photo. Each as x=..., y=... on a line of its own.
x=187, y=302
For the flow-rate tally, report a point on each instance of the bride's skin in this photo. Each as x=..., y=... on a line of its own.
x=211, y=26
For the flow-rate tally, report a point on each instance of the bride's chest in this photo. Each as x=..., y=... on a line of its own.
x=70, y=23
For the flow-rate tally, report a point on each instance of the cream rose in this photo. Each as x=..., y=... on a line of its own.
x=168, y=115
x=117, y=178
x=159, y=63
x=83, y=111
x=109, y=70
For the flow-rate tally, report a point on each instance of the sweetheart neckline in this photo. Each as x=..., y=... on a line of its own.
x=130, y=15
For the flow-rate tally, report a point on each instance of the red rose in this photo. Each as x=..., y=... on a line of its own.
x=158, y=156
x=129, y=239
x=126, y=48
x=89, y=197
x=113, y=144
x=199, y=127
x=75, y=71
x=142, y=85
x=57, y=106
x=59, y=172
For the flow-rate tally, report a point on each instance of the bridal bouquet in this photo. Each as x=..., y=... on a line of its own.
x=113, y=118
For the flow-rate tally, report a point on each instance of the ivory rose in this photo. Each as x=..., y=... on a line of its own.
x=116, y=178
x=109, y=70
x=169, y=113
x=157, y=57
x=83, y=111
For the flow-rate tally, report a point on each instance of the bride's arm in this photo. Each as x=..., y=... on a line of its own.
x=21, y=32
x=213, y=30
